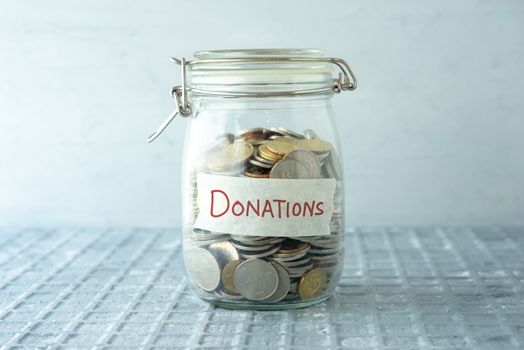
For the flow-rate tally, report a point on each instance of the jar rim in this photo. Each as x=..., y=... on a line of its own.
x=260, y=52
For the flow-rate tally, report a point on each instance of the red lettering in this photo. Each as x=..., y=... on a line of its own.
x=308, y=207
x=237, y=203
x=213, y=203
x=255, y=210
x=267, y=208
x=295, y=207
x=320, y=210
x=279, y=201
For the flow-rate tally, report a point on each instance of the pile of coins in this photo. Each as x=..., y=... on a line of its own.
x=274, y=153
x=258, y=268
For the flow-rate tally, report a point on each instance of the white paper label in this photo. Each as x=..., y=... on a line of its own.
x=265, y=207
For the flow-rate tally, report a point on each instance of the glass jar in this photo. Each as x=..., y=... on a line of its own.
x=263, y=196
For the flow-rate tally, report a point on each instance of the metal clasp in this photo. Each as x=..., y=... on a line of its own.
x=183, y=106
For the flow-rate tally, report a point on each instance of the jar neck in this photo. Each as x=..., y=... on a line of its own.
x=293, y=102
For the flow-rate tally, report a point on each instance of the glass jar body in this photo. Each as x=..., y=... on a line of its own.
x=239, y=262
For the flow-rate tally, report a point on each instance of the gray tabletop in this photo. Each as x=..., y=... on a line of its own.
x=402, y=288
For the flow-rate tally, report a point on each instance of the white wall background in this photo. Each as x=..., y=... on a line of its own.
x=433, y=135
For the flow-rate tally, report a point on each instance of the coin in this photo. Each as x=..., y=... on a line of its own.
x=311, y=283
x=224, y=295
x=247, y=254
x=229, y=156
x=290, y=256
x=224, y=252
x=265, y=153
x=260, y=164
x=290, y=169
x=256, y=240
x=251, y=248
x=309, y=159
x=228, y=273
x=268, y=162
x=280, y=148
x=290, y=246
x=203, y=268
x=292, y=263
x=287, y=132
x=254, y=172
x=315, y=145
x=284, y=283
x=290, y=140
x=256, y=136
x=333, y=164
x=256, y=279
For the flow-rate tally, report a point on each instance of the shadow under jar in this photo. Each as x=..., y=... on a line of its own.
x=263, y=197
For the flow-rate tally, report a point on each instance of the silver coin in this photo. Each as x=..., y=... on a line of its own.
x=328, y=245
x=296, y=273
x=236, y=170
x=257, y=240
x=256, y=279
x=291, y=296
x=290, y=169
x=334, y=165
x=284, y=283
x=259, y=254
x=203, y=268
x=317, y=250
x=292, y=263
x=260, y=164
x=333, y=257
x=291, y=256
x=224, y=252
x=208, y=236
x=252, y=248
x=223, y=295
x=206, y=240
x=293, y=287
x=309, y=159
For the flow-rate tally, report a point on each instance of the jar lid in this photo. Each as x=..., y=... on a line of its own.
x=261, y=70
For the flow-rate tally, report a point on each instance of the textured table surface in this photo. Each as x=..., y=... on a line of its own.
x=402, y=288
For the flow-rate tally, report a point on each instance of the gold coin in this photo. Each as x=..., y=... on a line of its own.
x=288, y=139
x=311, y=283
x=228, y=273
x=314, y=145
x=229, y=156
x=264, y=152
x=280, y=148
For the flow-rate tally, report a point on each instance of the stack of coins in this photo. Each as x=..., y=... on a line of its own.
x=267, y=269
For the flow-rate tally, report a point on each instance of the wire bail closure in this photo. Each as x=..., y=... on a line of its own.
x=346, y=81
